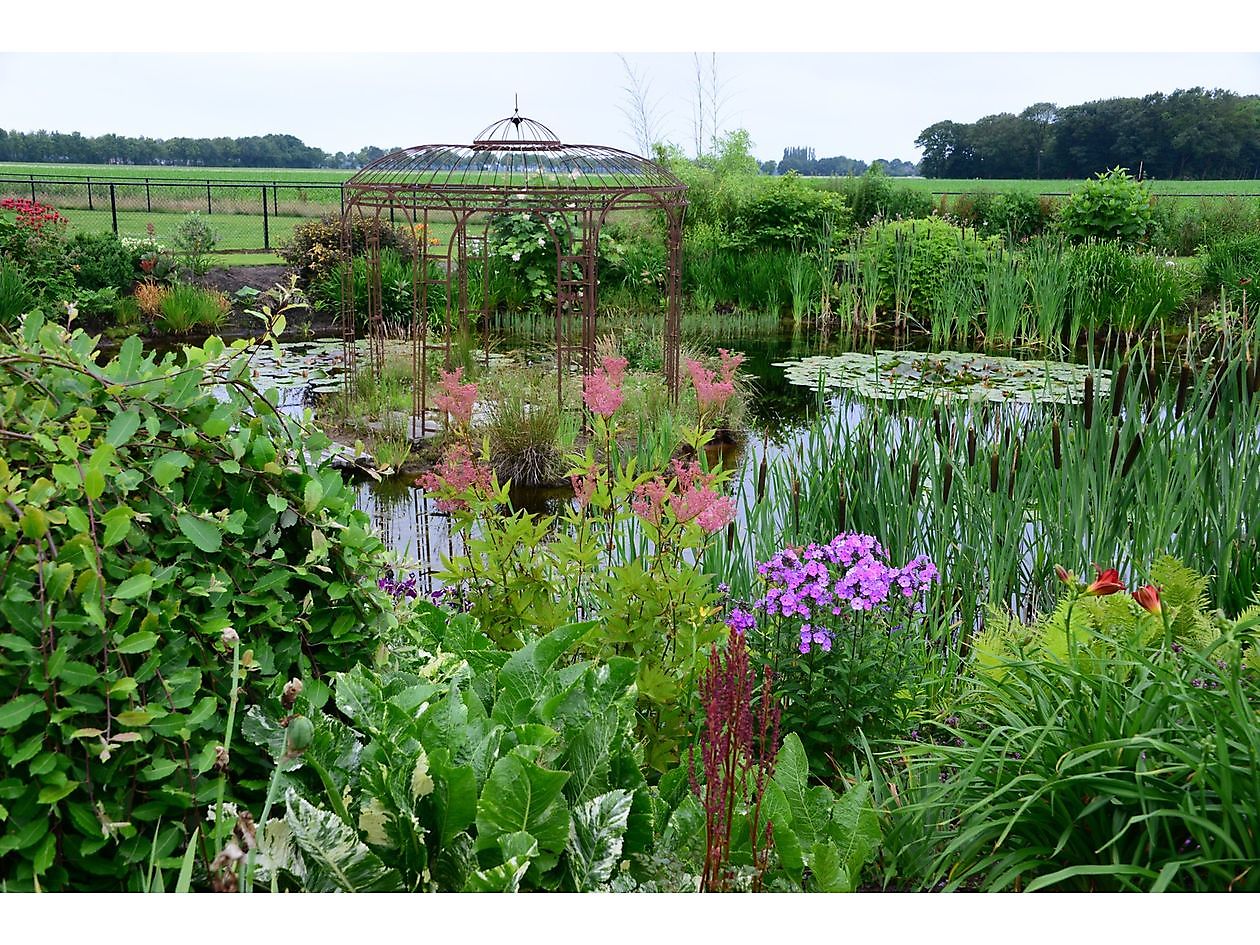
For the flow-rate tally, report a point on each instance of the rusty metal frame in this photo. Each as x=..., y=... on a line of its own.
x=514, y=165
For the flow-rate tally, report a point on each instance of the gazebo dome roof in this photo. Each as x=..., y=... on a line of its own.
x=519, y=158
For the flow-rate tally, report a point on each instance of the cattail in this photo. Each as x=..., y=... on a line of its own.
x=993, y=471
x=1215, y=398
x=914, y=479
x=1010, y=479
x=1089, y=401
x=971, y=446
x=947, y=480
x=1056, y=451
x=1183, y=386
x=730, y=536
x=1131, y=457
x=761, y=478
x=844, y=502
x=1115, y=449
x=936, y=422
x=1117, y=389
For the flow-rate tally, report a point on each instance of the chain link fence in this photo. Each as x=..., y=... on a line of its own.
x=246, y=216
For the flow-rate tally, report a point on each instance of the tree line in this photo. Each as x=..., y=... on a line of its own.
x=1190, y=134
x=804, y=161
x=53, y=147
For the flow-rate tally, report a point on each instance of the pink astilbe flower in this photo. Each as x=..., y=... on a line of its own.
x=715, y=388
x=649, y=500
x=456, y=479
x=456, y=398
x=601, y=391
x=584, y=486
x=691, y=498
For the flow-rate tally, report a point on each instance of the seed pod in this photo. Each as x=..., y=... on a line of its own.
x=993, y=471
x=299, y=735
x=1117, y=389
x=1056, y=450
x=292, y=689
x=1131, y=457
x=936, y=422
x=1010, y=479
x=1115, y=449
x=1183, y=386
x=914, y=479
x=730, y=536
x=947, y=480
x=971, y=446
x=1089, y=401
x=761, y=478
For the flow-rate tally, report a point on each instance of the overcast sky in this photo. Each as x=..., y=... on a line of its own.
x=862, y=105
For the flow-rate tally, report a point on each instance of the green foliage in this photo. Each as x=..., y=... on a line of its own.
x=398, y=292
x=16, y=297
x=1232, y=265
x=1183, y=227
x=192, y=242
x=1113, y=206
x=1102, y=748
x=523, y=427
x=187, y=307
x=100, y=261
x=316, y=245
x=914, y=258
x=141, y=517
x=786, y=211
x=874, y=196
x=1114, y=287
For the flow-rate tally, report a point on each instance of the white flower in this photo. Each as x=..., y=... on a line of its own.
x=524, y=216
x=71, y=309
x=516, y=257
x=541, y=241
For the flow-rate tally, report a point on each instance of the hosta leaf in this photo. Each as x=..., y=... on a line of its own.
x=334, y=856
x=595, y=837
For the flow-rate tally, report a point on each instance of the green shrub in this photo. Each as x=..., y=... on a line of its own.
x=100, y=261
x=192, y=242
x=1182, y=226
x=1233, y=265
x=397, y=276
x=915, y=257
x=1113, y=206
x=141, y=517
x=187, y=307
x=315, y=246
x=1016, y=215
x=1104, y=748
x=786, y=212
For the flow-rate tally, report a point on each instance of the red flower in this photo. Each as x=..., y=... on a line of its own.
x=1063, y=574
x=1107, y=582
x=1148, y=599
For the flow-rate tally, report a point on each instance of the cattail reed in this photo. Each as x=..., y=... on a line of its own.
x=1131, y=457
x=1089, y=401
x=1115, y=450
x=936, y=422
x=1183, y=387
x=730, y=536
x=1010, y=479
x=993, y=471
x=947, y=480
x=971, y=446
x=914, y=479
x=761, y=478
x=844, y=502
x=1056, y=446
x=1117, y=389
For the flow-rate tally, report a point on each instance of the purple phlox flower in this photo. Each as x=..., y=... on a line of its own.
x=741, y=621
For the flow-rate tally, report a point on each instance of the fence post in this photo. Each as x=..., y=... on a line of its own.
x=89, y=187
x=148, y=198
x=275, y=200
x=32, y=188
x=266, y=228
x=113, y=209
x=209, y=209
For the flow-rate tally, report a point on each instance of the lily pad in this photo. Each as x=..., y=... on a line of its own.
x=948, y=375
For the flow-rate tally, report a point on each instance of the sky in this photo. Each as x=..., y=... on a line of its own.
x=863, y=105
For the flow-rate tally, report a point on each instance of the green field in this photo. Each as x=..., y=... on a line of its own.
x=1194, y=188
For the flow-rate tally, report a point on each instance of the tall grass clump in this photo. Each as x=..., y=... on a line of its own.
x=1048, y=268
x=187, y=307
x=1005, y=289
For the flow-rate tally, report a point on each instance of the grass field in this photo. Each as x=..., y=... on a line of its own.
x=1193, y=188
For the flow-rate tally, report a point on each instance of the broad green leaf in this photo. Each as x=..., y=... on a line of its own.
x=312, y=495
x=53, y=793
x=505, y=878
x=854, y=828
x=139, y=642
x=134, y=717
x=205, y=535
x=454, y=797
x=17, y=711
x=522, y=796
x=134, y=586
x=810, y=807
x=122, y=428
x=168, y=467
x=335, y=857
x=523, y=676
x=595, y=837
x=827, y=870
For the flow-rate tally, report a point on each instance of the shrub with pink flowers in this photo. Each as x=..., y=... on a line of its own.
x=601, y=391
x=714, y=388
x=455, y=397
x=459, y=482
x=840, y=624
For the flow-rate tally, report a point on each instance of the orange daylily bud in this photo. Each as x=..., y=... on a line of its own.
x=1148, y=599
x=1107, y=582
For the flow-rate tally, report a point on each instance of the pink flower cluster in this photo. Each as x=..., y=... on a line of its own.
x=690, y=497
x=601, y=391
x=715, y=388
x=584, y=486
x=456, y=398
x=457, y=478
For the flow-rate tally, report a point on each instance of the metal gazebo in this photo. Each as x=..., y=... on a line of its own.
x=515, y=165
